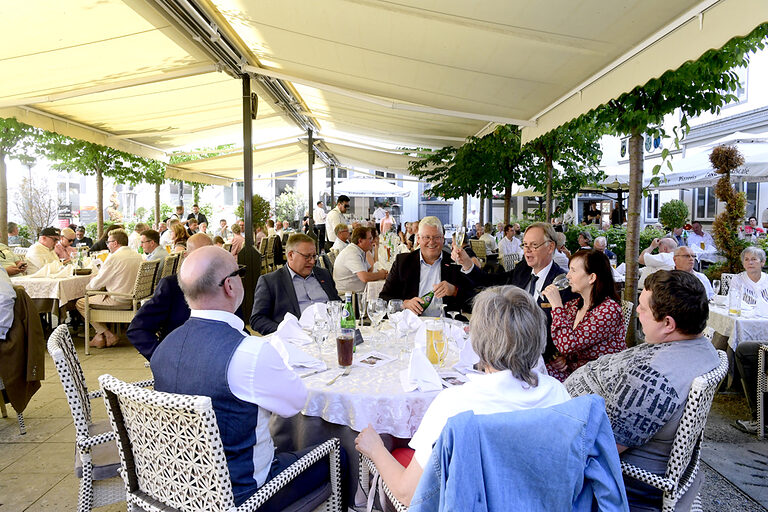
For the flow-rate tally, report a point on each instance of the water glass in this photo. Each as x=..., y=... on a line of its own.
x=376, y=311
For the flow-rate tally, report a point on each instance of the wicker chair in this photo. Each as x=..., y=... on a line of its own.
x=478, y=246
x=171, y=265
x=142, y=288
x=508, y=261
x=269, y=253
x=686, y=448
x=762, y=388
x=157, y=435
x=98, y=460
x=725, y=282
x=371, y=481
x=4, y=411
x=21, y=251
x=626, y=313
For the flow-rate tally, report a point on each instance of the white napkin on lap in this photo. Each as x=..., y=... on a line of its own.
x=290, y=330
x=420, y=374
x=307, y=319
x=293, y=356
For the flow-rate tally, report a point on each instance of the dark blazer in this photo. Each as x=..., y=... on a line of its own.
x=403, y=280
x=521, y=276
x=200, y=217
x=160, y=315
x=275, y=296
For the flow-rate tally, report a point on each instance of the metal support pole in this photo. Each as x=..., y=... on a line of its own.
x=332, y=200
x=310, y=165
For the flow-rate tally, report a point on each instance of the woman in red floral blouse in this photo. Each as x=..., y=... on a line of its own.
x=590, y=326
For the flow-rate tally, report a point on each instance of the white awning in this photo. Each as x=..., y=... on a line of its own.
x=368, y=187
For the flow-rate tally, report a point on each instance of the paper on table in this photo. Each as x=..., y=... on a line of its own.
x=293, y=356
x=290, y=330
x=420, y=374
x=307, y=320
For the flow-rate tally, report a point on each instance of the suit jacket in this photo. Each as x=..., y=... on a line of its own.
x=520, y=276
x=275, y=296
x=160, y=315
x=200, y=218
x=403, y=280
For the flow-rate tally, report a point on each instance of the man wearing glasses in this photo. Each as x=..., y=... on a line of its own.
x=336, y=216
x=41, y=253
x=292, y=288
x=65, y=249
x=352, y=271
x=429, y=269
x=116, y=275
x=685, y=260
x=534, y=273
x=150, y=244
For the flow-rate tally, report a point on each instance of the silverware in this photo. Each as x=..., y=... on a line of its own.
x=314, y=373
x=343, y=374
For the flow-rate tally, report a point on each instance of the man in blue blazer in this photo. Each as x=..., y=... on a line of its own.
x=165, y=311
x=292, y=288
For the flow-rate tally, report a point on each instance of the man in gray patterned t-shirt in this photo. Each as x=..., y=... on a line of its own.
x=645, y=387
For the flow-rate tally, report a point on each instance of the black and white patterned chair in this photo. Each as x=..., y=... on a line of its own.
x=172, y=457
x=97, y=460
x=762, y=389
x=371, y=481
x=508, y=261
x=686, y=448
x=626, y=313
x=4, y=411
x=725, y=282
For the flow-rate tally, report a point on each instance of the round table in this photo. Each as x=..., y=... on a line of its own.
x=737, y=328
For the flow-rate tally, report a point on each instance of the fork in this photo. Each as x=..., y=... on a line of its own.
x=343, y=374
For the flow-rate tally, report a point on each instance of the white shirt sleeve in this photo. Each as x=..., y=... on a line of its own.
x=257, y=374
x=7, y=299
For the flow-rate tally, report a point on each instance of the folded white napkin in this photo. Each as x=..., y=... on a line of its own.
x=293, y=356
x=407, y=321
x=290, y=330
x=307, y=319
x=53, y=269
x=420, y=374
x=467, y=355
x=66, y=271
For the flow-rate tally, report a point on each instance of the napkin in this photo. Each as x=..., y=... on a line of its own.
x=407, y=321
x=293, y=356
x=420, y=374
x=53, y=269
x=307, y=320
x=467, y=355
x=622, y=269
x=290, y=330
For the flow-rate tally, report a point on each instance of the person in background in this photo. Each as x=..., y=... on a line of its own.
x=218, y=241
x=378, y=214
x=561, y=255
x=179, y=214
x=150, y=244
x=287, y=227
x=318, y=218
x=664, y=260
x=101, y=243
x=64, y=248
x=279, y=229
x=203, y=228
x=238, y=240
x=260, y=234
x=14, y=238
x=752, y=228
x=241, y=222
x=386, y=222
x=342, y=237
x=351, y=270
x=192, y=226
x=590, y=325
x=271, y=231
x=487, y=238
x=179, y=235
x=162, y=227
x=336, y=216
x=197, y=215
x=677, y=236
x=753, y=281
x=81, y=239
x=508, y=335
x=585, y=240
x=499, y=234
x=601, y=244
x=699, y=236
x=41, y=253
x=223, y=230
x=166, y=238
x=134, y=239
x=10, y=261
x=685, y=260
x=509, y=244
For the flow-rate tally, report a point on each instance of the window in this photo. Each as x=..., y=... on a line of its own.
x=652, y=206
x=751, y=190
x=706, y=203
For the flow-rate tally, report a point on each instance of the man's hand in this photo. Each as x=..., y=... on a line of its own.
x=444, y=289
x=415, y=304
x=461, y=257
x=368, y=442
x=383, y=273
x=654, y=244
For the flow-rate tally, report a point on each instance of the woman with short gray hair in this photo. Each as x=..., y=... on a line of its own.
x=753, y=280
x=508, y=334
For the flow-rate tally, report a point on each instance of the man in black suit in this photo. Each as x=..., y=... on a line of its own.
x=199, y=217
x=292, y=288
x=165, y=311
x=429, y=269
x=534, y=273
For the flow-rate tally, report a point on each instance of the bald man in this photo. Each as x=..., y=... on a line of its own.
x=685, y=259
x=165, y=311
x=244, y=375
x=664, y=260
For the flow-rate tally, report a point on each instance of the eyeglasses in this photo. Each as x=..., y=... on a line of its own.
x=239, y=272
x=307, y=257
x=685, y=256
x=70, y=239
x=111, y=241
x=533, y=247
x=430, y=238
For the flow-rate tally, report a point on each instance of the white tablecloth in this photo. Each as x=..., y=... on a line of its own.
x=64, y=290
x=737, y=328
x=366, y=395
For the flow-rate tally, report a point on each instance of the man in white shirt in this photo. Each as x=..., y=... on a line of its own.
x=509, y=243
x=664, y=260
x=488, y=239
x=342, y=237
x=336, y=216
x=134, y=239
x=684, y=260
x=223, y=230
x=351, y=271
x=116, y=275
x=41, y=253
x=318, y=218
x=699, y=237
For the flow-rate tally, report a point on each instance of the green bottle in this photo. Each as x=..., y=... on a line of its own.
x=427, y=298
x=348, y=313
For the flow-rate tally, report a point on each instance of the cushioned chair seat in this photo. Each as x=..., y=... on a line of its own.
x=106, y=459
x=122, y=307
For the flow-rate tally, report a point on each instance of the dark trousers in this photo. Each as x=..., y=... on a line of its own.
x=746, y=362
x=320, y=231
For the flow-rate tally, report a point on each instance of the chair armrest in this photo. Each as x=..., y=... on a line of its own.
x=368, y=468
x=142, y=384
x=329, y=448
x=86, y=443
x=657, y=481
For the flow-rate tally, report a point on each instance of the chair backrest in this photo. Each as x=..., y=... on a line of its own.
x=508, y=261
x=687, y=444
x=270, y=251
x=626, y=313
x=145, y=280
x=171, y=265
x=725, y=282
x=62, y=351
x=170, y=447
x=478, y=246
x=263, y=245
x=20, y=250
x=321, y=261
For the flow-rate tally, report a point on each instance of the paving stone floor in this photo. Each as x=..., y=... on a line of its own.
x=36, y=470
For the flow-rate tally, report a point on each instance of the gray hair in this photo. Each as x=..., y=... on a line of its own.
x=670, y=244
x=559, y=239
x=432, y=221
x=753, y=251
x=549, y=231
x=601, y=240
x=508, y=331
x=298, y=238
x=340, y=227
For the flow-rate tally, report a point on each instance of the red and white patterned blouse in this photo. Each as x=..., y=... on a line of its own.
x=600, y=332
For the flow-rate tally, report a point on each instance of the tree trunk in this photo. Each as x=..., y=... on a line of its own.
x=507, y=203
x=3, y=200
x=464, y=210
x=633, y=225
x=157, y=205
x=481, y=212
x=99, y=202
x=548, y=197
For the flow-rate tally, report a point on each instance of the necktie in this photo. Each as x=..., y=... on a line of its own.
x=532, y=285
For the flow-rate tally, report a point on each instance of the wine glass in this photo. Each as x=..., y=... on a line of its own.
x=460, y=234
x=561, y=282
x=362, y=305
x=394, y=306
x=716, y=286
x=376, y=311
x=319, y=330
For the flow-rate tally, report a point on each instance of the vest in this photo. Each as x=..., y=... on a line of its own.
x=193, y=360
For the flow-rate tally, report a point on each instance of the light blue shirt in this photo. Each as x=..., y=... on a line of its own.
x=429, y=276
x=308, y=289
x=7, y=298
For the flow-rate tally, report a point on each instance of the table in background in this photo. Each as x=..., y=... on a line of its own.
x=737, y=328
x=59, y=290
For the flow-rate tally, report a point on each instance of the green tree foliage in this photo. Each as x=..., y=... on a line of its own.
x=261, y=210
x=18, y=142
x=673, y=214
x=288, y=205
x=725, y=229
